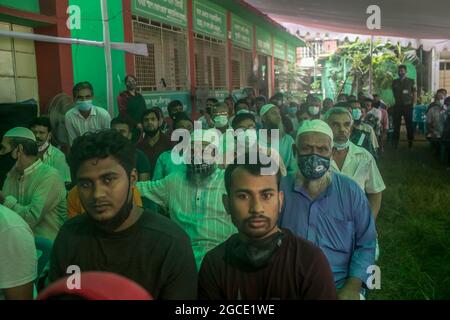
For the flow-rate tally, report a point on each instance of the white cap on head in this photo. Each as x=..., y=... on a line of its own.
x=20, y=132
x=265, y=108
x=315, y=126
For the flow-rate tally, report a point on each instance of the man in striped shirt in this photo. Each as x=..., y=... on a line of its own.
x=194, y=198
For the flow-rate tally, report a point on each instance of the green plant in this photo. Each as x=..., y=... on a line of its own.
x=356, y=57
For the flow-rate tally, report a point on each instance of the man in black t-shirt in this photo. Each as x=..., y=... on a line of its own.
x=117, y=236
x=262, y=261
x=405, y=95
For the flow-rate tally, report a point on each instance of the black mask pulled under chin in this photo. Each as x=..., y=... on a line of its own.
x=112, y=224
x=7, y=162
x=254, y=254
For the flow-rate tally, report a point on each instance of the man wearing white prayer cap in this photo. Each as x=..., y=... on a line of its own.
x=193, y=198
x=32, y=189
x=271, y=121
x=330, y=210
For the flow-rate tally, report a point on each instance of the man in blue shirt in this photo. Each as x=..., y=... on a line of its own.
x=330, y=210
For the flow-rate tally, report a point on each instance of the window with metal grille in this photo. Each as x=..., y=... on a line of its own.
x=166, y=67
x=280, y=75
x=444, y=74
x=18, y=73
x=211, y=64
x=236, y=72
x=242, y=68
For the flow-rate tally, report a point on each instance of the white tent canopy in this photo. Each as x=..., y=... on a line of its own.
x=307, y=33
x=424, y=23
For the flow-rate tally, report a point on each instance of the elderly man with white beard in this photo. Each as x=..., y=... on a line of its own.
x=193, y=198
x=330, y=210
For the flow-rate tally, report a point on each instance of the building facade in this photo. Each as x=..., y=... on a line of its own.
x=197, y=49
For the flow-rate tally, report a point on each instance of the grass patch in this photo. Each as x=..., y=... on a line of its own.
x=414, y=226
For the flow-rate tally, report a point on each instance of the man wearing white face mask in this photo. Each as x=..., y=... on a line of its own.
x=33, y=190
x=84, y=116
x=220, y=116
x=314, y=106
x=221, y=123
x=49, y=154
x=353, y=161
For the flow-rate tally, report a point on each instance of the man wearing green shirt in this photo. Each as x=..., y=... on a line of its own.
x=49, y=154
x=32, y=189
x=193, y=198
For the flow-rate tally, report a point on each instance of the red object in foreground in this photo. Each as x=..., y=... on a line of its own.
x=98, y=286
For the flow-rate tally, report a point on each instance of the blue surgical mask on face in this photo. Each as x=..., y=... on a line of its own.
x=84, y=105
x=313, y=110
x=220, y=121
x=313, y=166
x=356, y=114
x=292, y=110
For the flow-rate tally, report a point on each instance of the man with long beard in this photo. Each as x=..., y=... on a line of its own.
x=193, y=198
x=330, y=210
x=154, y=142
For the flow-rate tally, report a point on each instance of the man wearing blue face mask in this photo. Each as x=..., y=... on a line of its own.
x=84, y=116
x=330, y=210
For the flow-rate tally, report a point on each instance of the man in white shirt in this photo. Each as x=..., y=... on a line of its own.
x=84, y=116
x=353, y=161
x=49, y=154
x=18, y=262
x=32, y=189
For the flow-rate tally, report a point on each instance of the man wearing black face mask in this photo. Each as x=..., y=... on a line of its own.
x=262, y=261
x=115, y=235
x=330, y=210
x=192, y=197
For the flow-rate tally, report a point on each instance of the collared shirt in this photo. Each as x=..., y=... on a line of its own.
x=77, y=125
x=56, y=158
x=368, y=128
x=339, y=221
x=362, y=139
x=360, y=165
x=435, y=121
x=384, y=119
x=403, y=90
x=39, y=197
x=198, y=210
x=165, y=165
